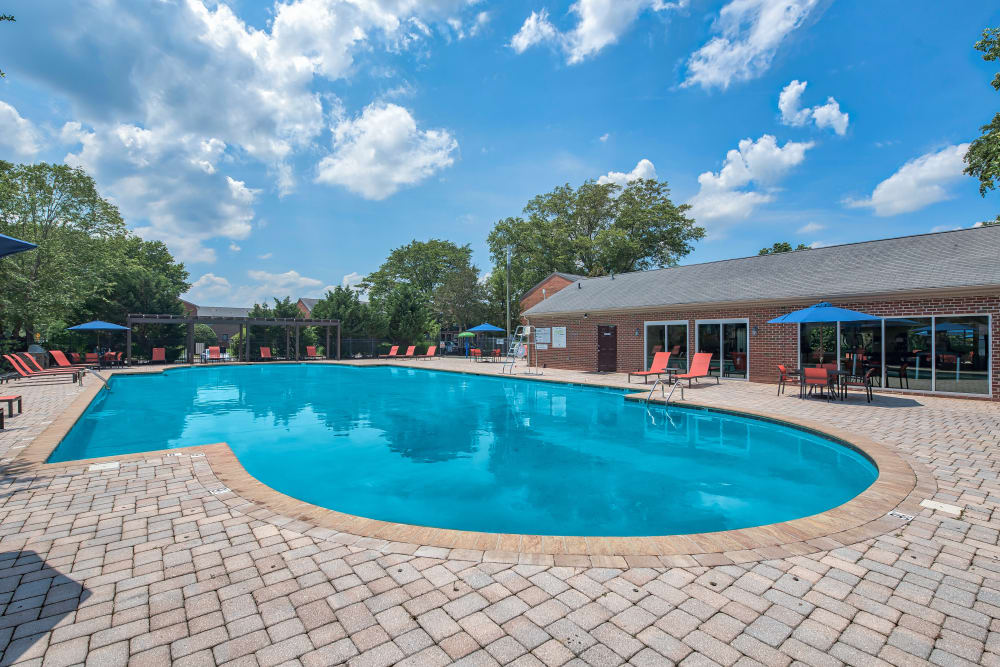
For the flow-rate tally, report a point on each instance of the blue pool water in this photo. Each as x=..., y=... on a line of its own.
x=478, y=453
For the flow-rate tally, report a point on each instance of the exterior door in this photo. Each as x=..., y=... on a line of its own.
x=607, y=348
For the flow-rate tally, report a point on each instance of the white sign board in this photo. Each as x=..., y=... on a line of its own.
x=541, y=346
x=558, y=337
x=543, y=335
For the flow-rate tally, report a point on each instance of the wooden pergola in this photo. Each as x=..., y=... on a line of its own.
x=244, y=324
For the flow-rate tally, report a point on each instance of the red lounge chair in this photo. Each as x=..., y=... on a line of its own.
x=699, y=368
x=265, y=354
x=392, y=353
x=409, y=352
x=657, y=368
x=34, y=367
x=311, y=352
x=813, y=378
x=75, y=357
x=159, y=355
x=859, y=381
x=25, y=372
x=429, y=354
x=784, y=378
x=91, y=359
x=475, y=353
x=213, y=353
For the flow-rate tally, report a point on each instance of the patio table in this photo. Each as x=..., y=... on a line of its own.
x=836, y=376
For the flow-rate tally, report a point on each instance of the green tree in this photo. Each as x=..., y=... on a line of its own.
x=596, y=229
x=204, y=334
x=358, y=319
x=5, y=17
x=782, y=246
x=982, y=160
x=58, y=208
x=422, y=264
x=409, y=316
x=990, y=223
x=460, y=300
x=274, y=336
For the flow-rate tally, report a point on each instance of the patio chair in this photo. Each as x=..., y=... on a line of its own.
x=675, y=350
x=814, y=378
x=860, y=381
x=159, y=355
x=658, y=367
x=785, y=379
x=657, y=348
x=91, y=359
x=25, y=372
x=311, y=352
x=62, y=361
x=265, y=354
x=409, y=352
x=392, y=353
x=429, y=354
x=214, y=353
x=32, y=366
x=75, y=357
x=475, y=353
x=699, y=368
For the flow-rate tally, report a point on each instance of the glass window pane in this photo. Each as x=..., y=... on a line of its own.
x=861, y=349
x=734, y=349
x=962, y=354
x=708, y=341
x=908, y=353
x=677, y=345
x=818, y=344
x=655, y=342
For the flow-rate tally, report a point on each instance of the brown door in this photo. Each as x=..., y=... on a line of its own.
x=607, y=348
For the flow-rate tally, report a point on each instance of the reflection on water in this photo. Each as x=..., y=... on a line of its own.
x=477, y=453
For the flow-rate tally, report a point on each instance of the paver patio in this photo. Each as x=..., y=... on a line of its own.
x=142, y=564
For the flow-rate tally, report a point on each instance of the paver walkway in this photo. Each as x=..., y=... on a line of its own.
x=141, y=564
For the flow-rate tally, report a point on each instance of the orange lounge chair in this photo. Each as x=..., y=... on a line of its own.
x=409, y=352
x=62, y=361
x=475, y=353
x=429, y=354
x=699, y=368
x=392, y=353
x=75, y=356
x=34, y=367
x=657, y=368
x=214, y=354
x=265, y=354
x=159, y=355
x=21, y=369
x=311, y=352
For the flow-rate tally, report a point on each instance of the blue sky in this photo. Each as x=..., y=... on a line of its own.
x=280, y=148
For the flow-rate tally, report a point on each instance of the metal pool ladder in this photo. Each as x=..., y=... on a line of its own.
x=659, y=382
x=100, y=377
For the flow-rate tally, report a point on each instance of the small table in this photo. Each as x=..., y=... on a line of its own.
x=10, y=400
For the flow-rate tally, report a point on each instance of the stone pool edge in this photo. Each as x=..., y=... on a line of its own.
x=899, y=486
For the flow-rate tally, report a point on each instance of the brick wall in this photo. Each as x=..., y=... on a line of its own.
x=551, y=285
x=772, y=345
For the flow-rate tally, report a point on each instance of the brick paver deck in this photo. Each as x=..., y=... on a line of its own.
x=142, y=564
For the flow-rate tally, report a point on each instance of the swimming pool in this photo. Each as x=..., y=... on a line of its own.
x=478, y=453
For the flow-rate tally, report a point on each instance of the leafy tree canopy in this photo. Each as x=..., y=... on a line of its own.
x=459, y=301
x=422, y=264
x=782, y=246
x=410, y=318
x=79, y=236
x=595, y=229
x=982, y=160
x=357, y=318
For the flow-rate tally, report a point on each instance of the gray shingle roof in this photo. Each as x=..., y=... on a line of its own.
x=222, y=311
x=963, y=258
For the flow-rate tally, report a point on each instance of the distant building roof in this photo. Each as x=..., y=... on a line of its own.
x=955, y=259
x=222, y=311
x=309, y=303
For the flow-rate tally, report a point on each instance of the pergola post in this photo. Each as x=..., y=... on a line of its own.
x=190, y=343
x=128, y=344
x=326, y=350
x=288, y=348
x=246, y=346
x=338, y=340
x=297, y=330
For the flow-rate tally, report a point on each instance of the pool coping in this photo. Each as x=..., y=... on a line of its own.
x=899, y=487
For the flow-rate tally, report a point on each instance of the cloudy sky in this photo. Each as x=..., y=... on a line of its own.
x=283, y=147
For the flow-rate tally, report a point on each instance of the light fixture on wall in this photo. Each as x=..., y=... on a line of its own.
x=586, y=315
x=754, y=330
x=637, y=331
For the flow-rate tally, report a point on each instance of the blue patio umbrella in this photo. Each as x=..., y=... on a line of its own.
x=823, y=311
x=485, y=328
x=10, y=245
x=98, y=326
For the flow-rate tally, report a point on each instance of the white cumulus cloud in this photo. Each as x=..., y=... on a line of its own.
x=599, y=23
x=920, y=182
x=382, y=150
x=16, y=133
x=825, y=115
x=351, y=279
x=810, y=227
x=724, y=195
x=750, y=33
x=207, y=289
x=643, y=169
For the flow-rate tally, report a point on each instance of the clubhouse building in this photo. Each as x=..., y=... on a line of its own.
x=937, y=297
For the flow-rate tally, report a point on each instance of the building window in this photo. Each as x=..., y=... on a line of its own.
x=726, y=341
x=962, y=354
x=669, y=337
x=908, y=353
x=861, y=349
